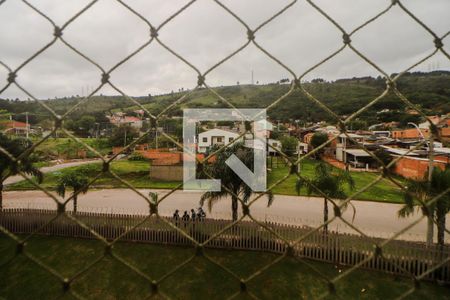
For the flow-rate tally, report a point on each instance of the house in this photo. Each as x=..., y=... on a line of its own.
x=347, y=151
x=120, y=120
x=302, y=148
x=272, y=145
x=263, y=127
x=410, y=133
x=15, y=127
x=215, y=137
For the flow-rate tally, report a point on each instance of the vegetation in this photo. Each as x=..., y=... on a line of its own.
x=330, y=183
x=384, y=156
x=383, y=191
x=66, y=148
x=9, y=167
x=82, y=127
x=123, y=136
x=136, y=173
x=424, y=191
x=199, y=279
x=235, y=186
x=288, y=145
x=77, y=181
x=317, y=140
x=430, y=91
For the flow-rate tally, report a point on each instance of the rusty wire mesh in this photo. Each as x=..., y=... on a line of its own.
x=436, y=43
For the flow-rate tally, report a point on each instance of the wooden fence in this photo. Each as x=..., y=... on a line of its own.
x=398, y=257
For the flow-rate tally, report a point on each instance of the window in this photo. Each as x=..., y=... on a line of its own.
x=230, y=139
x=219, y=139
x=205, y=139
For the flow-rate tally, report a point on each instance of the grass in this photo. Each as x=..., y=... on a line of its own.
x=20, y=278
x=53, y=148
x=137, y=174
x=134, y=172
x=383, y=191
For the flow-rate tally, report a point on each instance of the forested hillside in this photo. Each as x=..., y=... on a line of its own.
x=431, y=91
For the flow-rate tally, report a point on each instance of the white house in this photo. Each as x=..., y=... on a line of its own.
x=214, y=137
x=275, y=144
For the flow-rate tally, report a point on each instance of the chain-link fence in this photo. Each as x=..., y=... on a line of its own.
x=377, y=248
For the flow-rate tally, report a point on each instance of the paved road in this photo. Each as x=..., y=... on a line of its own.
x=14, y=179
x=376, y=219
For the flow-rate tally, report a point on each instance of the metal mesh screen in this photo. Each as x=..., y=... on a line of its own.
x=435, y=41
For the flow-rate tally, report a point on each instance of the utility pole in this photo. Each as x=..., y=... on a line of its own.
x=253, y=82
x=125, y=138
x=27, y=125
x=96, y=131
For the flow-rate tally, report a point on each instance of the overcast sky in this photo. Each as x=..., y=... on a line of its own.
x=204, y=34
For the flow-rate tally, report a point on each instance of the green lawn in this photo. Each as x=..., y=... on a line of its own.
x=383, y=191
x=53, y=148
x=137, y=174
x=20, y=278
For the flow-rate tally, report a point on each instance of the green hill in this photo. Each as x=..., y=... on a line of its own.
x=431, y=91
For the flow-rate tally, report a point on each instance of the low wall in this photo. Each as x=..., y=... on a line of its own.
x=166, y=173
x=415, y=168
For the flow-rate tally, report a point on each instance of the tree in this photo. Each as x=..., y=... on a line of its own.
x=384, y=156
x=229, y=179
x=82, y=126
x=358, y=125
x=123, y=135
x=289, y=145
x=330, y=183
x=77, y=181
x=317, y=140
x=8, y=167
x=423, y=191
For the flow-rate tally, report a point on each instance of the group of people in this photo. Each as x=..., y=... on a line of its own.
x=200, y=215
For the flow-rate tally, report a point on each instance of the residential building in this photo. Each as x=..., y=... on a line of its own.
x=410, y=133
x=272, y=145
x=121, y=120
x=215, y=137
x=348, y=151
x=15, y=127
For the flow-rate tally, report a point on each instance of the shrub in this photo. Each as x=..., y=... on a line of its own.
x=136, y=156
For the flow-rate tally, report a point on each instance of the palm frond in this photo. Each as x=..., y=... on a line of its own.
x=61, y=189
x=212, y=197
x=405, y=211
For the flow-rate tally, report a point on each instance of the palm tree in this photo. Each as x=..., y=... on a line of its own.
x=233, y=183
x=330, y=183
x=8, y=167
x=77, y=181
x=424, y=190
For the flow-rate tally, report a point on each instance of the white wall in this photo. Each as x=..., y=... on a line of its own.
x=208, y=135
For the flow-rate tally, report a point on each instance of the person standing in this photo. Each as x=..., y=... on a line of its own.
x=176, y=218
x=185, y=218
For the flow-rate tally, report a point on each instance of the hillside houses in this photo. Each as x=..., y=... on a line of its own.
x=121, y=119
x=347, y=151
